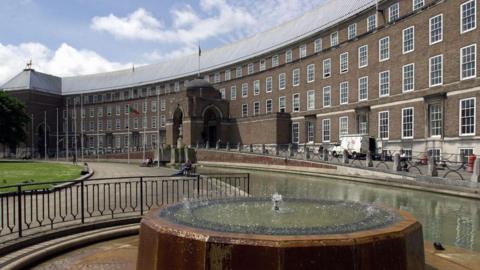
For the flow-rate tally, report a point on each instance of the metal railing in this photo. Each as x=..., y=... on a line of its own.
x=447, y=165
x=30, y=210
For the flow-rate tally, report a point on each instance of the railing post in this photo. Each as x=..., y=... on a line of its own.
x=19, y=197
x=141, y=195
x=198, y=186
x=248, y=183
x=82, y=201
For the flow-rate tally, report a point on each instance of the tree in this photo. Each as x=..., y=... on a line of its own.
x=13, y=119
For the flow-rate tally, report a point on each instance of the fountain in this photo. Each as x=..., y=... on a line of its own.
x=279, y=233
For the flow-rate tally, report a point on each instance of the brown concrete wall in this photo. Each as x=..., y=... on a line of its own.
x=235, y=157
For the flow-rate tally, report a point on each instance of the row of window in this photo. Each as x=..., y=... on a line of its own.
x=467, y=70
x=467, y=118
x=109, y=124
x=118, y=109
x=467, y=19
x=118, y=141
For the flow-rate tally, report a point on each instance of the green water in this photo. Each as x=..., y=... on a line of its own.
x=450, y=220
x=293, y=217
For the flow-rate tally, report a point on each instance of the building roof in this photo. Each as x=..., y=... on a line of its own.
x=320, y=18
x=31, y=79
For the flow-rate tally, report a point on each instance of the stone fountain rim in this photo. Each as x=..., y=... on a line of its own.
x=165, y=226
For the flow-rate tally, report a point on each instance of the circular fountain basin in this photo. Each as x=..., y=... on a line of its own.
x=247, y=233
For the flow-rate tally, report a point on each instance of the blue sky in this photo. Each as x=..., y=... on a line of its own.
x=86, y=36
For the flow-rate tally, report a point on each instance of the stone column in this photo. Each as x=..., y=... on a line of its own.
x=217, y=146
x=239, y=147
x=251, y=148
x=325, y=154
x=227, y=147
x=345, y=156
x=277, y=150
x=289, y=151
x=207, y=145
x=198, y=145
x=396, y=163
x=369, y=161
x=476, y=171
x=432, y=167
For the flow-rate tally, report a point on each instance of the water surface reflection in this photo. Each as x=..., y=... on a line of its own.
x=450, y=220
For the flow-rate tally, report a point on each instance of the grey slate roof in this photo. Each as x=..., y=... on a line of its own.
x=322, y=17
x=31, y=79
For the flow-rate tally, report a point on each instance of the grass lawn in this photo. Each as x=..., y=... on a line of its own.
x=12, y=172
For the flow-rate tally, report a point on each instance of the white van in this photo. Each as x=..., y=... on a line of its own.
x=356, y=145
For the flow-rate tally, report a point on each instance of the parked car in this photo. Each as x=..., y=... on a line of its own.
x=355, y=144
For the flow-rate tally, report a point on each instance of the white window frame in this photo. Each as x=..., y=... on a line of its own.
x=340, y=120
x=391, y=10
x=296, y=97
x=430, y=71
x=267, y=111
x=430, y=36
x=302, y=51
x=269, y=84
x=324, y=129
x=327, y=89
x=404, y=40
x=325, y=74
x=381, y=58
x=380, y=83
x=412, y=123
x=244, y=90
x=296, y=77
x=256, y=108
x=430, y=126
x=263, y=65
x=417, y=4
x=474, y=117
x=344, y=63
x=295, y=130
x=463, y=31
x=388, y=125
x=233, y=92
x=238, y=72
x=404, y=90
x=245, y=112
x=275, y=61
x=334, y=41
x=370, y=27
x=310, y=126
x=360, y=88
x=352, y=31
x=360, y=56
x=310, y=100
x=474, y=75
x=282, y=103
x=317, y=47
x=228, y=75
x=288, y=56
x=256, y=87
x=343, y=87
x=250, y=68
x=310, y=73
x=282, y=77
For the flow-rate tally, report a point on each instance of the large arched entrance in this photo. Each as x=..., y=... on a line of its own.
x=177, y=125
x=211, y=125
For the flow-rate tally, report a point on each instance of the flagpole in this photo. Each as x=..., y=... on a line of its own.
x=144, y=128
x=45, y=135
x=158, y=128
x=66, y=137
x=199, y=55
x=57, y=135
x=81, y=124
x=33, y=133
x=98, y=139
x=75, y=125
x=128, y=134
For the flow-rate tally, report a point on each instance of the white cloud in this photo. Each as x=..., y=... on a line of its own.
x=64, y=61
x=223, y=20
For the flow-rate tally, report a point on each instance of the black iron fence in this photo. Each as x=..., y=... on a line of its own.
x=30, y=210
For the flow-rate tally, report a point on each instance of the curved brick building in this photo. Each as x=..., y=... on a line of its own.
x=402, y=71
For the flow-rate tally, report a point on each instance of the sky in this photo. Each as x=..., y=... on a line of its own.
x=74, y=37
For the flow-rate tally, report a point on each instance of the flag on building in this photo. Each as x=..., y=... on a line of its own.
x=132, y=110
